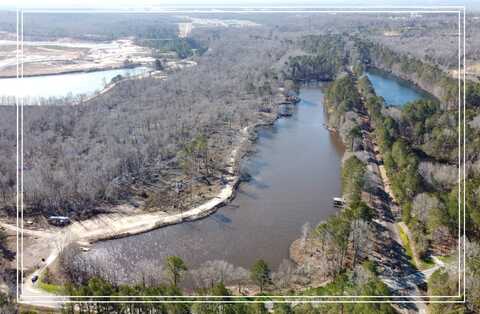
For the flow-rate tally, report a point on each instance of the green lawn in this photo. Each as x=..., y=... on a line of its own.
x=406, y=244
x=448, y=259
x=49, y=287
x=423, y=263
x=426, y=263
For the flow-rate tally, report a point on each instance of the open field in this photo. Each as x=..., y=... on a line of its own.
x=472, y=72
x=67, y=55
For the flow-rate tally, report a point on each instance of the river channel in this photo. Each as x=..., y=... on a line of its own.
x=295, y=174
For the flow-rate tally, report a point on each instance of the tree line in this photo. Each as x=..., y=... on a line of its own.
x=427, y=186
x=321, y=59
x=419, y=143
x=362, y=281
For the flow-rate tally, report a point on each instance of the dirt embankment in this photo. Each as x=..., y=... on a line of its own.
x=68, y=56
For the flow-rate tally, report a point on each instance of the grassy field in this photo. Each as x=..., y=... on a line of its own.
x=45, y=284
x=51, y=288
x=406, y=245
x=420, y=263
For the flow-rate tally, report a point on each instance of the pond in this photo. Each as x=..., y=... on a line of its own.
x=395, y=91
x=62, y=85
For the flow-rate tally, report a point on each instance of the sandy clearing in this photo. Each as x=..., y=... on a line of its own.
x=110, y=226
x=61, y=57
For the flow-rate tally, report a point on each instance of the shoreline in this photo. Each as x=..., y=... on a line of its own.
x=146, y=222
x=226, y=194
x=398, y=76
x=406, y=279
x=204, y=210
x=79, y=71
x=111, y=85
x=112, y=226
x=135, y=224
x=104, y=227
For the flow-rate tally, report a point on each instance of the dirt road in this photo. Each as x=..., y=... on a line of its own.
x=396, y=270
x=117, y=225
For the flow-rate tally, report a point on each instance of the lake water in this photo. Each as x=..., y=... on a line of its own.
x=295, y=174
x=62, y=85
x=395, y=91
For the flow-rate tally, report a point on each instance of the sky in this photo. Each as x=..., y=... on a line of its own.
x=141, y=4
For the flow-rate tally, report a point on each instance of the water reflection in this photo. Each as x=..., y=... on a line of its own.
x=395, y=91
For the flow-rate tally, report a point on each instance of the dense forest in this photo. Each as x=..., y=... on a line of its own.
x=322, y=58
x=92, y=26
x=419, y=143
x=421, y=159
x=78, y=157
x=363, y=280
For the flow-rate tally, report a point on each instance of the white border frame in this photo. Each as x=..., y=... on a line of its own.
x=301, y=299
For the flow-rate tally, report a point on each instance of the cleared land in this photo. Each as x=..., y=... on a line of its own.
x=67, y=55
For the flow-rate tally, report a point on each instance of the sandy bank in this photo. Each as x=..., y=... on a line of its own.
x=114, y=226
x=118, y=225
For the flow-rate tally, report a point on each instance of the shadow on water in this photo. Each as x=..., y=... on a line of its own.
x=221, y=218
x=253, y=167
x=243, y=193
x=259, y=184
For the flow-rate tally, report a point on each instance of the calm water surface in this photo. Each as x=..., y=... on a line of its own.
x=395, y=91
x=62, y=85
x=295, y=175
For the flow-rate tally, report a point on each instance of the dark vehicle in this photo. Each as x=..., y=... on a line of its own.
x=34, y=278
x=59, y=220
